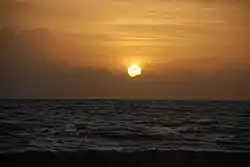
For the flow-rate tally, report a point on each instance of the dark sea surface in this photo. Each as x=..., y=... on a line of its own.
x=124, y=127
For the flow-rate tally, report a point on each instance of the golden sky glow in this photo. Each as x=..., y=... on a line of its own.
x=155, y=31
x=171, y=40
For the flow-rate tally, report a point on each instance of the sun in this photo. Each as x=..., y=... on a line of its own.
x=134, y=70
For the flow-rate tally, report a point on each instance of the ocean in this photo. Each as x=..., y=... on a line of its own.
x=124, y=133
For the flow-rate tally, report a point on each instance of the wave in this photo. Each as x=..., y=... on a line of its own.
x=151, y=158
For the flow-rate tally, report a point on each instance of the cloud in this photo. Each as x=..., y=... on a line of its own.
x=29, y=69
x=187, y=50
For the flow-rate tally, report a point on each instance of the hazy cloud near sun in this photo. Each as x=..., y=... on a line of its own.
x=187, y=49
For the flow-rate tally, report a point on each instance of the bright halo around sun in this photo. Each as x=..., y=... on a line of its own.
x=134, y=70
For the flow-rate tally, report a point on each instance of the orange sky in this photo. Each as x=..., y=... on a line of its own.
x=171, y=40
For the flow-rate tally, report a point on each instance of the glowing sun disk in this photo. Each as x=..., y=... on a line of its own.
x=134, y=70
